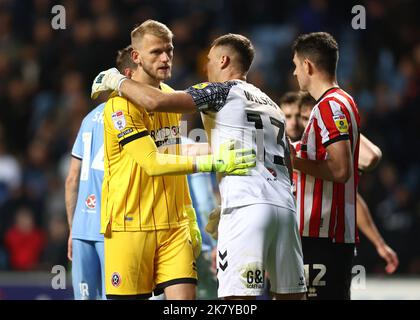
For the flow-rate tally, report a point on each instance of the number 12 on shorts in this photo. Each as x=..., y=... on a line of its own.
x=319, y=270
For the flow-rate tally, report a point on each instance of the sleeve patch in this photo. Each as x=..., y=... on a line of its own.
x=341, y=123
x=201, y=85
x=124, y=133
x=118, y=119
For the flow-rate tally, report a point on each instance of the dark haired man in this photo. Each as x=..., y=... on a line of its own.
x=327, y=184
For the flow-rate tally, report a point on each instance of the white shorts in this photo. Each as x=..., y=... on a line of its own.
x=256, y=239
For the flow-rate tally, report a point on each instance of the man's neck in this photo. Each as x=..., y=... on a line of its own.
x=321, y=86
x=232, y=76
x=143, y=77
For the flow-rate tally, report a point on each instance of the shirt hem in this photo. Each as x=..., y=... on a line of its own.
x=291, y=290
x=86, y=238
x=345, y=241
x=257, y=201
x=156, y=228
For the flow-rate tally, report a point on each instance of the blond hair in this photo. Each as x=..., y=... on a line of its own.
x=152, y=27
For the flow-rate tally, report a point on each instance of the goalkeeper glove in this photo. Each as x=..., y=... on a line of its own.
x=194, y=231
x=213, y=223
x=110, y=79
x=227, y=160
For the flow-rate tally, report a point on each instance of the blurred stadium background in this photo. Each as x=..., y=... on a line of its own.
x=45, y=80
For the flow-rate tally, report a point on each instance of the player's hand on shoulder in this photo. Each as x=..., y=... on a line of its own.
x=106, y=80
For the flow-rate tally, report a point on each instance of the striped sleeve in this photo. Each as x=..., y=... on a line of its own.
x=332, y=121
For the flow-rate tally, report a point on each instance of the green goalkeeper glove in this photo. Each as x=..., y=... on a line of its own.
x=228, y=160
x=194, y=231
x=110, y=79
x=212, y=225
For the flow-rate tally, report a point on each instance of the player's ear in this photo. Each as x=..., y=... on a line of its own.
x=308, y=67
x=128, y=72
x=135, y=56
x=224, y=62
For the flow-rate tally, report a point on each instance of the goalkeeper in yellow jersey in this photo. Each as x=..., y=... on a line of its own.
x=151, y=235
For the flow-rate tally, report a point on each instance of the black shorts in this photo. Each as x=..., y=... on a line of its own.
x=329, y=266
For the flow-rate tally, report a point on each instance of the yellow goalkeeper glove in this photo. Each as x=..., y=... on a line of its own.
x=228, y=160
x=110, y=79
x=194, y=231
x=213, y=223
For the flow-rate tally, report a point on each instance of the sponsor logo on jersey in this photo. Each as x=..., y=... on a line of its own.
x=201, y=85
x=166, y=136
x=118, y=119
x=116, y=279
x=341, y=123
x=91, y=201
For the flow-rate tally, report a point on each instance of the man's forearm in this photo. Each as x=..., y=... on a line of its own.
x=71, y=200
x=322, y=169
x=366, y=224
x=140, y=94
x=145, y=153
x=158, y=164
x=369, y=154
x=153, y=99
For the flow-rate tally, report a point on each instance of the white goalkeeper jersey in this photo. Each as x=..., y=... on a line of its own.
x=240, y=111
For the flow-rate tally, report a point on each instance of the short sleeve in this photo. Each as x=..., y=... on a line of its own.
x=210, y=96
x=332, y=121
x=77, y=150
x=124, y=120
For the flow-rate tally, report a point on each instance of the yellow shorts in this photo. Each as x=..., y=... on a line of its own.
x=137, y=263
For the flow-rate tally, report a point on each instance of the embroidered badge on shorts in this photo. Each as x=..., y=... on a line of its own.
x=116, y=279
x=118, y=119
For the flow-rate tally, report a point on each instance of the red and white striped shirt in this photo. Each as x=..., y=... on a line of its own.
x=327, y=209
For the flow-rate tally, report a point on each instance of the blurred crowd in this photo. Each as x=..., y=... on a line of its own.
x=46, y=74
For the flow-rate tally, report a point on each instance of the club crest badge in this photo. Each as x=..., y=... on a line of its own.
x=116, y=279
